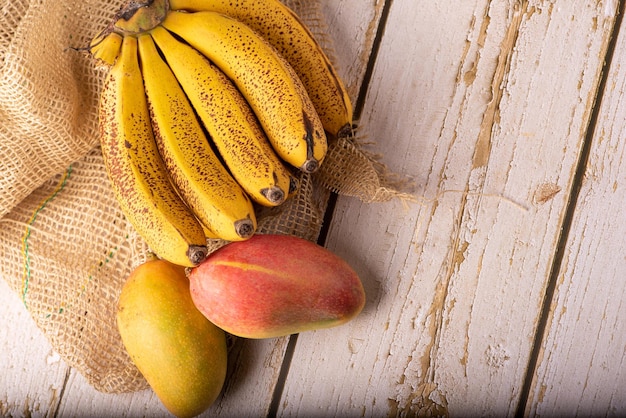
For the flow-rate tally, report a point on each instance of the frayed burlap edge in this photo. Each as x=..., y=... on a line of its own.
x=353, y=171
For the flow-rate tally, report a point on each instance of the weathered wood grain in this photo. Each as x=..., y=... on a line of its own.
x=481, y=104
x=583, y=356
x=352, y=27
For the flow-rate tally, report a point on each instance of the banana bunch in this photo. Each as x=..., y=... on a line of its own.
x=209, y=108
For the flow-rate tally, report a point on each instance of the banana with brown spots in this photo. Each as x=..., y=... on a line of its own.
x=284, y=30
x=265, y=78
x=231, y=124
x=204, y=183
x=136, y=171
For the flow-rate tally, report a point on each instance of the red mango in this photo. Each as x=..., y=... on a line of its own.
x=275, y=285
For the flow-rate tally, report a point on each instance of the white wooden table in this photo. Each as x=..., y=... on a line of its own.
x=501, y=292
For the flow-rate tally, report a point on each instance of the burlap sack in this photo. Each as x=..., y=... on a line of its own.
x=66, y=247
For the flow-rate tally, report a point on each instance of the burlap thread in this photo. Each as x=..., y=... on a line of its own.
x=65, y=246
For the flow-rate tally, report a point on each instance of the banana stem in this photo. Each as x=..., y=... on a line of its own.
x=140, y=16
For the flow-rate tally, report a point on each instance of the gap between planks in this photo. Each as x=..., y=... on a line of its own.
x=570, y=209
x=330, y=208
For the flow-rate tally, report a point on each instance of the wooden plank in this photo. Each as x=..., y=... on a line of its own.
x=33, y=375
x=583, y=357
x=480, y=98
x=254, y=366
x=352, y=28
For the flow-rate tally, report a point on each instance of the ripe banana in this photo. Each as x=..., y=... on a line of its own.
x=230, y=122
x=106, y=47
x=201, y=179
x=268, y=82
x=284, y=30
x=136, y=171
